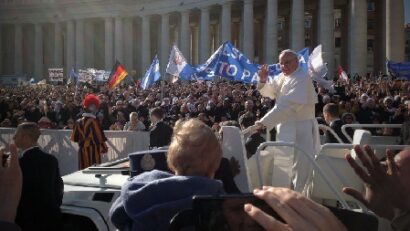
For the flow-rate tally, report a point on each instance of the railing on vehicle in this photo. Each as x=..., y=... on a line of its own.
x=344, y=127
x=309, y=157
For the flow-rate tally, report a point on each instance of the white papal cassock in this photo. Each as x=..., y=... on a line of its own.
x=294, y=118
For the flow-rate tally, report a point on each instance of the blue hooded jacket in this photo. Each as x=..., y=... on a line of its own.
x=149, y=201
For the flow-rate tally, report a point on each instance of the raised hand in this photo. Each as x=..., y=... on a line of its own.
x=11, y=183
x=383, y=189
x=263, y=73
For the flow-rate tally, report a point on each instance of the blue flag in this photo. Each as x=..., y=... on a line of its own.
x=72, y=76
x=152, y=75
x=228, y=62
x=399, y=70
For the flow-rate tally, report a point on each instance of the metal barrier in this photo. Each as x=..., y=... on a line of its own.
x=373, y=146
x=366, y=126
x=58, y=143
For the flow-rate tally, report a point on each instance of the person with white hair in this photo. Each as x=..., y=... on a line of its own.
x=293, y=114
x=134, y=124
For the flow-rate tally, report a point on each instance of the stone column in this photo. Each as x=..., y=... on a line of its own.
x=118, y=40
x=185, y=44
x=297, y=25
x=357, y=37
x=109, y=44
x=247, y=34
x=89, y=34
x=195, y=40
x=395, y=40
x=58, y=45
x=79, y=44
x=145, y=44
x=174, y=35
x=326, y=34
x=379, y=46
x=18, y=48
x=344, y=54
x=164, y=43
x=216, y=37
x=128, y=44
x=204, y=42
x=271, y=32
x=38, y=51
x=70, y=53
x=315, y=28
x=1, y=51
x=226, y=22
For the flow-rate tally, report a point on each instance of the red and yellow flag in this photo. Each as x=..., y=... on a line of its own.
x=117, y=75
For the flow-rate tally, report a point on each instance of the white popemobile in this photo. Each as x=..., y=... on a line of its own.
x=89, y=194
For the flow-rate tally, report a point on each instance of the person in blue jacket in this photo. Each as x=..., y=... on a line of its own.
x=149, y=200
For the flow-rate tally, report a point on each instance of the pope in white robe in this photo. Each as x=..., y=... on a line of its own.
x=293, y=114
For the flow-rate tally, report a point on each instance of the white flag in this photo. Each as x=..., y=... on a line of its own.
x=317, y=66
x=318, y=69
x=176, y=62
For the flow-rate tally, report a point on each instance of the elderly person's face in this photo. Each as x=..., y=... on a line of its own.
x=288, y=63
x=134, y=118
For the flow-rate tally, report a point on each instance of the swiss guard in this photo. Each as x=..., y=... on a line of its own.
x=87, y=132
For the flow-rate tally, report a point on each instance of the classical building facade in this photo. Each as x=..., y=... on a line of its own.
x=38, y=34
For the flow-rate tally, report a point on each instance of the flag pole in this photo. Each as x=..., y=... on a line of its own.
x=162, y=89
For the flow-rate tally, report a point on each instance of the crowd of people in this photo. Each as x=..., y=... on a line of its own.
x=365, y=100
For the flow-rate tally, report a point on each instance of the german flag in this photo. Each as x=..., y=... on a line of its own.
x=117, y=75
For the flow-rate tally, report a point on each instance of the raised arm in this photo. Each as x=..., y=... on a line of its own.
x=266, y=89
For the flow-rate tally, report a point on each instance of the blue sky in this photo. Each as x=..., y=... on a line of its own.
x=407, y=10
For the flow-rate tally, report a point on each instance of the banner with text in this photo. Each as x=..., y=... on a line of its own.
x=56, y=74
x=86, y=76
x=399, y=70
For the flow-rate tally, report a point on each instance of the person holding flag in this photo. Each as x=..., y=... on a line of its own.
x=152, y=75
x=294, y=112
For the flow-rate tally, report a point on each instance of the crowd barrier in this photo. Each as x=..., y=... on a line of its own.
x=375, y=139
x=58, y=143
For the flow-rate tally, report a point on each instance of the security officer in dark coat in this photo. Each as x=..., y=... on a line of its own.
x=160, y=132
x=331, y=115
x=42, y=192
